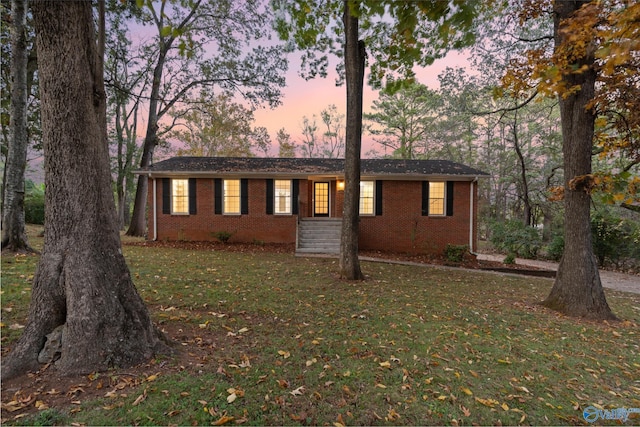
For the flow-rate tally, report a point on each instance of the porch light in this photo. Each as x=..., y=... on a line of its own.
x=340, y=185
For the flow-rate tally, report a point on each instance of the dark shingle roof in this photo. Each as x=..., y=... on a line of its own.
x=306, y=166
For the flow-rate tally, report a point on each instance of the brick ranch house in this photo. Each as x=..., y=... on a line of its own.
x=415, y=206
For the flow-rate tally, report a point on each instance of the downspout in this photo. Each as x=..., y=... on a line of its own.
x=155, y=212
x=471, y=217
x=298, y=224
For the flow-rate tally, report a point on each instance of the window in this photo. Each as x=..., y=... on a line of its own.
x=436, y=198
x=232, y=196
x=366, y=197
x=180, y=196
x=282, y=194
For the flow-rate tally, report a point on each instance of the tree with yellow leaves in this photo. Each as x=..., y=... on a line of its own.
x=593, y=70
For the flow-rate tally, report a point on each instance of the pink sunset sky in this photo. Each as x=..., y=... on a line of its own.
x=306, y=98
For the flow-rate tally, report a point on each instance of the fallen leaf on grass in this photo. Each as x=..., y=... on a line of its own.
x=223, y=420
x=521, y=388
x=487, y=402
x=41, y=406
x=12, y=406
x=283, y=383
x=297, y=392
x=466, y=391
x=153, y=377
x=392, y=415
x=284, y=354
x=234, y=393
x=140, y=398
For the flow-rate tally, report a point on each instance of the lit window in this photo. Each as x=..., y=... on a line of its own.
x=436, y=198
x=366, y=197
x=282, y=202
x=232, y=196
x=179, y=196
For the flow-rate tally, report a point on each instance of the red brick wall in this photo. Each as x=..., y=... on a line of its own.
x=257, y=226
x=400, y=228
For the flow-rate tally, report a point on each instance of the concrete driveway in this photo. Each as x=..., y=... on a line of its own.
x=610, y=279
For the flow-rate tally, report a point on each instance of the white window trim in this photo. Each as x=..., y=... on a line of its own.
x=373, y=199
x=275, y=197
x=224, y=197
x=444, y=198
x=173, y=212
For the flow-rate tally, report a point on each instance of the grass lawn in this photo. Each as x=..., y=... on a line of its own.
x=270, y=339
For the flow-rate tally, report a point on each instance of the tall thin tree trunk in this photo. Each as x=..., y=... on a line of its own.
x=82, y=281
x=354, y=69
x=138, y=225
x=14, y=235
x=577, y=290
x=527, y=211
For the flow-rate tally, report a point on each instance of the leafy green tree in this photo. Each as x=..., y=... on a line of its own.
x=34, y=203
x=395, y=36
x=201, y=45
x=404, y=121
x=286, y=147
x=219, y=127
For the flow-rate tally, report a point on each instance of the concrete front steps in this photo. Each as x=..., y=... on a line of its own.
x=319, y=236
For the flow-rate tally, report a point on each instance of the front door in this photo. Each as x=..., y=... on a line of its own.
x=320, y=199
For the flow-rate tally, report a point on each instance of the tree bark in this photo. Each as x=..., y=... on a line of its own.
x=354, y=61
x=527, y=209
x=577, y=290
x=82, y=280
x=14, y=235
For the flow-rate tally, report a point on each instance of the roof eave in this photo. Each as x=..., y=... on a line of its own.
x=307, y=175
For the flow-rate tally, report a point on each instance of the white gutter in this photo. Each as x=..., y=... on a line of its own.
x=155, y=213
x=471, y=217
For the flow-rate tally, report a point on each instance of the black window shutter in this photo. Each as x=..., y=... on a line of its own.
x=217, y=196
x=193, y=204
x=166, y=196
x=378, y=197
x=449, y=198
x=244, y=196
x=294, y=196
x=269, y=197
x=425, y=198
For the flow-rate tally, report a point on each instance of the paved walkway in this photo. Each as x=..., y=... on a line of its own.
x=610, y=279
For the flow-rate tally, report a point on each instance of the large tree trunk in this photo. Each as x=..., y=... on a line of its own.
x=82, y=280
x=14, y=236
x=577, y=290
x=354, y=55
